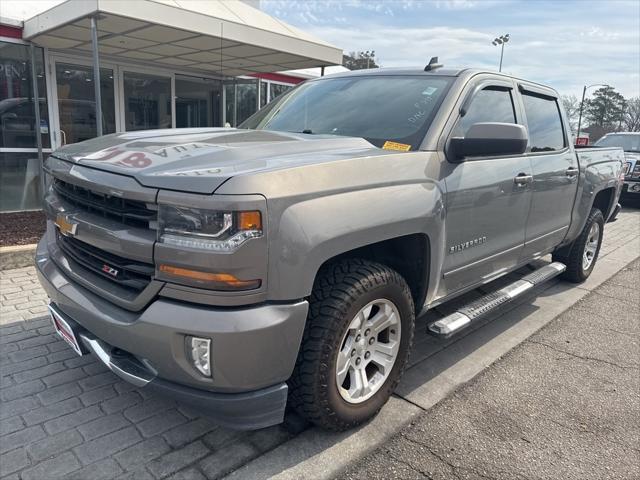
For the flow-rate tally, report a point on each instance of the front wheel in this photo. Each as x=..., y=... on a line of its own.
x=583, y=252
x=355, y=345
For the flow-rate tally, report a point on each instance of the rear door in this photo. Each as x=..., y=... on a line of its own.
x=486, y=210
x=555, y=171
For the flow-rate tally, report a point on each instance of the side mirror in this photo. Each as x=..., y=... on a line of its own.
x=489, y=139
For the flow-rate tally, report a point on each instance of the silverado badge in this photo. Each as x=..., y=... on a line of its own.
x=471, y=243
x=66, y=226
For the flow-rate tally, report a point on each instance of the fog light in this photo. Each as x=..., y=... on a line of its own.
x=200, y=353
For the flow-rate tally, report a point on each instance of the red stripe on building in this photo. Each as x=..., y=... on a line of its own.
x=279, y=77
x=12, y=32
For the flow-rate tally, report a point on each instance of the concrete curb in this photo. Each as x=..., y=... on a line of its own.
x=17, y=256
x=438, y=372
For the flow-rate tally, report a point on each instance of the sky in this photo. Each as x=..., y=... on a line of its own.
x=565, y=43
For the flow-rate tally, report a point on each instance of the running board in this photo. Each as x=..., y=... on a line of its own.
x=467, y=314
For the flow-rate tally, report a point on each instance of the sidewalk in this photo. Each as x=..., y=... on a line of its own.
x=64, y=416
x=564, y=404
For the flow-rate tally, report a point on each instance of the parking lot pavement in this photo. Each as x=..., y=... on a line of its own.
x=67, y=416
x=563, y=404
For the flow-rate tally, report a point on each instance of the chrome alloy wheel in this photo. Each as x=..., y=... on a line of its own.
x=591, y=246
x=368, y=351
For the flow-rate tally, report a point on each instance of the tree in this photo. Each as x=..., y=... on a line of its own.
x=631, y=117
x=571, y=105
x=360, y=60
x=605, y=109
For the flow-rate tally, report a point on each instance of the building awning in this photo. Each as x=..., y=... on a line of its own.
x=226, y=37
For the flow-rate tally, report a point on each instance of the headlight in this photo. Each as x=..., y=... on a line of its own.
x=207, y=229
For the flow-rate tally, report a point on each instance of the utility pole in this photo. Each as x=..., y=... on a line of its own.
x=584, y=91
x=501, y=40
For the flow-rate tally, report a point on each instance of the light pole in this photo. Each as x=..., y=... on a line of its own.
x=584, y=91
x=501, y=40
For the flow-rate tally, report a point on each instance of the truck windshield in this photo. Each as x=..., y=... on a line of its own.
x=628, y=143
x=377, y=108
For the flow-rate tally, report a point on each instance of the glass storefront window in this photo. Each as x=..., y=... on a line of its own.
x=147, y=101
x=264, y=86
x=19, y=181
x=77, y=104
x=17, y=116
x=246, y=99
x=241, y=98
x=198, y=102
x=278, y=89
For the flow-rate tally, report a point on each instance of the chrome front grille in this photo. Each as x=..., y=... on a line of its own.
x=129, y=274
x=129, y=212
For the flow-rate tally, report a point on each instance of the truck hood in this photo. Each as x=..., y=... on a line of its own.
x=200, y=160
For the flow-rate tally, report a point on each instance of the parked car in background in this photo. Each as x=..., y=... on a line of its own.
x=287, y=260
x=630, y=143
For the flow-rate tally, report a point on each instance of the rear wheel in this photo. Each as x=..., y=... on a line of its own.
x=583, y=252
x=355, y=345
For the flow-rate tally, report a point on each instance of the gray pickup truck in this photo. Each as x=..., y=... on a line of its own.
x=630, y=143
x=285, y=262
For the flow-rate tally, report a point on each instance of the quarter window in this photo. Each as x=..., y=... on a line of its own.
x=545, y=125
x=489, y=105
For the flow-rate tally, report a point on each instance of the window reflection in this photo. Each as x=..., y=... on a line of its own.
x=197, y=102
x=77, y=104
x=19, y=181
x=147, y=101
x=241, y=97
x=17, y=115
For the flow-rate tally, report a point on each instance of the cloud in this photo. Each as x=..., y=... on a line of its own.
x=565, y=46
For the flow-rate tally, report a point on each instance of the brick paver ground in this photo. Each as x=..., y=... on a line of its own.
x=68, y=416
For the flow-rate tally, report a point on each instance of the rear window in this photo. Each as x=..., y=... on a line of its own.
x=378, y=108
x=545, y=125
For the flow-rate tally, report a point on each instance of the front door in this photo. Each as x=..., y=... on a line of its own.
x=486, y=209
x=555, y=175
x=198, y=102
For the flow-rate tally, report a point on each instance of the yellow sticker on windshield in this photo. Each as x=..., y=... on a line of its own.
x=402, y=147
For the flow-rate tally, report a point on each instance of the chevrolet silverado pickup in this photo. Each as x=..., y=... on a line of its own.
x=285, y=262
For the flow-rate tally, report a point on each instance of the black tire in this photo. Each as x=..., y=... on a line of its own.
x=575, y=271
x=340, y=291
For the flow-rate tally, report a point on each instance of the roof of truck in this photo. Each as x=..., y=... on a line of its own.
x=441, y=72
x=448, y=72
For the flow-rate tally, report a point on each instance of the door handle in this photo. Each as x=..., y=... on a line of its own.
x=572, y=172
x=522, y=180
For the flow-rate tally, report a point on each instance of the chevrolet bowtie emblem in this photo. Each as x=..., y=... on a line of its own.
x=66, y=225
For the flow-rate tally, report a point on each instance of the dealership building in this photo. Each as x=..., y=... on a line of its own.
x=161, y=63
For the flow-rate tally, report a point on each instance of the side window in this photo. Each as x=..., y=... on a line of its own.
x=545, y=125
x=488, y=105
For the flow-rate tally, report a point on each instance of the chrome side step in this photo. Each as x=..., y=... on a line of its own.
x=464, y=316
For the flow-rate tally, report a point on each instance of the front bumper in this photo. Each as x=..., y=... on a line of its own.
x=631, y=188
x=253, y=349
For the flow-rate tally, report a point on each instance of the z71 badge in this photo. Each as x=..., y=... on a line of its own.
x=471, y=243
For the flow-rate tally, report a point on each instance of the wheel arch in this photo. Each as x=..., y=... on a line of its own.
x=409, y=255
x=400, y=226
